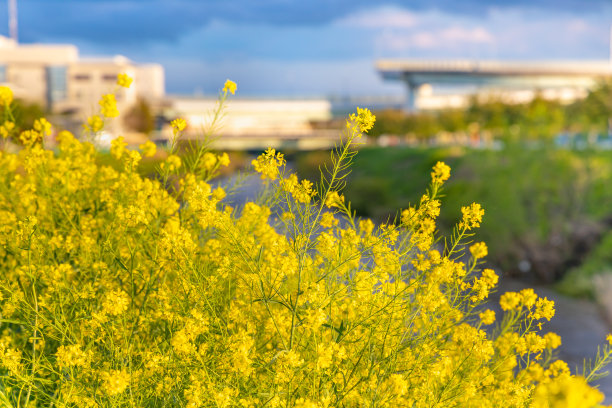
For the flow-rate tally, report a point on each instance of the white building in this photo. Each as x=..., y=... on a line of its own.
x=57, y=78
x=253, y=123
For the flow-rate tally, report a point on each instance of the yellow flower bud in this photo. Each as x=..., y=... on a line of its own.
x=229, y=86
x=6, y=96
x=124, y=80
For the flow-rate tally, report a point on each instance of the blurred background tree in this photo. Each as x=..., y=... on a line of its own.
x=25, y=114
x=140, y=118
x=539, y=119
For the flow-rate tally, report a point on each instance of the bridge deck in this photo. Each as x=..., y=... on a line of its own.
x=395, y=69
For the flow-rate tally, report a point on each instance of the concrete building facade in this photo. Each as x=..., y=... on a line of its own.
x=256, y=123
x=55, y=77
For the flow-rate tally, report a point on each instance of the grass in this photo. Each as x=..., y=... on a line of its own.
x=579, y=281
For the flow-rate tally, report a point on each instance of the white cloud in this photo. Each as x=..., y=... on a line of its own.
x=441, y=39
x=456, y=35
x=383, y=17
x=423, y=39
x=578, y=26
x=339, y=57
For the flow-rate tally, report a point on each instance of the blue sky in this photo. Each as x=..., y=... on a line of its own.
x=313, y=47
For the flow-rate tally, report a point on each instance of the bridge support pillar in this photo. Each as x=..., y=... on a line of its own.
x=412, y=93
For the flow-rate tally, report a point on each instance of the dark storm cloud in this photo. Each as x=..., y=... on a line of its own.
x=134, y=21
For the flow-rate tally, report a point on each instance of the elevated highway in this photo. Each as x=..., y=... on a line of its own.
x=493, y=74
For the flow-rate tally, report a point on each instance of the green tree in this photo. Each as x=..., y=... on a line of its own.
x=24, y=114
x=140, y=118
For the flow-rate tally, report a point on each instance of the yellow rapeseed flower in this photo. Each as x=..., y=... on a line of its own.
x=116, y=303
x=11, y=359
x=42, y=126
x=440, y=173
x=131, y=159
x=544, y=309
x=30, y=137
x=553, y=340
x=124, y=80
x=209, y=161
x=510, y=301
x=528, y=297
x=333, y=199
x=472, y=216
x=6, y=96
x=115, y=382
x=327, y=220
x=172, y=163
x=178, y=125
x=479, y=250
x=219, y=193
x=301, y=191
x=108, y=105
x=71, y=355
x=148, y=148
x=566, y=392
x=559, y=367
x=267, y=164
x=230, y=86
x=490, y=277
x=224, y=160
x=6, y=129
x=487, y=317
x=364, y=119
x=94, y=124
x=118, y=147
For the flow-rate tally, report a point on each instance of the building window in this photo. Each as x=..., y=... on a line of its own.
x=57, y=87
x=2, y=73
x=81, y=77
x=108, y=77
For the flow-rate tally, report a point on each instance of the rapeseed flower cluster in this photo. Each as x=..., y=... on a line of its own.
x=123, y=291
x=6, y=96
x=440, y=173
x=302, y=191
x=334, y=199
x=108, y=106
x=124, y=80
x=479, y=250
x=364, y=119
x=472, y=216
x=71, y=355
x=268, y=164
x=30, y=137
x=148, y=148
x=178, y=125
x=6, y=129
x=94, y=124
x=230, y=86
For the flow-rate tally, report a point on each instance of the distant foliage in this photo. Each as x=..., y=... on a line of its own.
x=539, y=119
x=140, y=118
x=16, y=115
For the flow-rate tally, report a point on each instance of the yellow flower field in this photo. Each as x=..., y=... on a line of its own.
x=123, y=291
